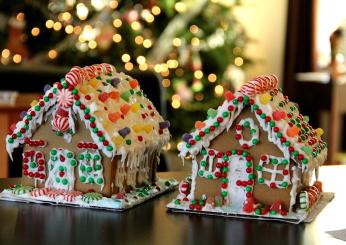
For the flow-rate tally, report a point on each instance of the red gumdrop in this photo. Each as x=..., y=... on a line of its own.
x=248, y=206
x=103, y=96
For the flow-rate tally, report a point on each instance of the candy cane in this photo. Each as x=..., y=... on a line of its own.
x=71, y=196
x=37, y=192
x=259, y=85
x=72, y=78
x=108, y=68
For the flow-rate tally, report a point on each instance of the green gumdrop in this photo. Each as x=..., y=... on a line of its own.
x=126, y=96
x=212, y=112
x=306, y=118
x=307, y=150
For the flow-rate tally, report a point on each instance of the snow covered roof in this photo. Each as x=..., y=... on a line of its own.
x=112, y=105
x=280, y=118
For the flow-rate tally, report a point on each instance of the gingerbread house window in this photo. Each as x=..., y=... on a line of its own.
x=90, y=168
x=273, y=171
x=247, y=133
x=34, y=165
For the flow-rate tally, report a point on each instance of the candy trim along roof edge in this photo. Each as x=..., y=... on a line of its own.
x=252, y=94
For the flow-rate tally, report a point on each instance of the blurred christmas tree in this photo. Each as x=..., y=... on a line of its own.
x=195, y=45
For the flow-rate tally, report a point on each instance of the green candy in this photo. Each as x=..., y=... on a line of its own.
x=98, y=167
x=61, y=168
x=32, y=165
x=99, y=181
x=110, y=148
x=126, y=96
x=203, y=163
x=224, y=193
x=82, y=179
x=91, y=180
x=64, y=181
x=53, y=152
x=307, y=149
x=261, y=180
x=212, y=112
x=88, y=156
x=73, y=162
x=89, y=169
x=201, y=172
x=82, y=168
x=57, y=179
x=10, y=140
x=69, y=155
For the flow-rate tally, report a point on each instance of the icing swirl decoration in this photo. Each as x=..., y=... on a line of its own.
x=259, y=85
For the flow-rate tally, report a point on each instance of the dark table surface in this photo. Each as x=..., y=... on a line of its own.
x=150, y=223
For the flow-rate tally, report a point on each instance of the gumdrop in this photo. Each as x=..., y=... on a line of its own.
x=229, y=96
x=118, y=140
x=164, y=124
x=137, y=128
x=276, y=206
x=148, y=128
x=114, y=95
x=103, y=96
x=46, y=87
x=248, y=206
x=94, y=83
x=265, y=98
x=133, y=83
x=125, y=108
x=126, y=96
x=124, y=131
x=114, y=116
x=135, y=107
x=23, y=114
x=115, y=81
x=278, y=115
x=187, y=137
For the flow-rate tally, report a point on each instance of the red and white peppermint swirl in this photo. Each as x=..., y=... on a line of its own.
x=37, y=192
x=60, y=124
x=55, y=193
x=71, y=196
x=259, y=85
x=64, y=98
x=89, y=71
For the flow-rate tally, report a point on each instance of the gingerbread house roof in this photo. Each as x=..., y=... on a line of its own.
x=114, y=109
x=280, y=118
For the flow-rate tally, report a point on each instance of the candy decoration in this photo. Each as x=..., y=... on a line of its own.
x=23, y=114
x=54, y=193
x=114, y=95
x=133, y=83
x=34, y=165
x=254, y=132
x=164, y=124
x=37, y=192
x=125, y=109
x=103, y=96
x=73, y=77
x=259, y=85
x=276, y=207
x=46, y=87
x=319, y=132
x=126, y=96
x=124, y=131
x=114, y=117
x=91, y=197
x=61, y=112
x=292, y=131
x=229, y=96
x=64, y=98
x=148, y=128
x=212, y=113
x=186, y=137
x=184, y=187
x=199, y=125
x=115, y=81
x=278, y=115
x=61, y=170
x=90, y=168
x=33, y=103
x=283, y=172
x=20, y=190
x=248, y=206
x=71, y=195
x=60, y=124
x=265, y=98
x=135, y=107
x=307, y=150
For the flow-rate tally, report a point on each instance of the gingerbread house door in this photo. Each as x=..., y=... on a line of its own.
x=238, y=181
x=61, y=169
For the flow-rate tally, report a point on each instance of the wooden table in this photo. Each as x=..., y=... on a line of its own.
x=149, y=223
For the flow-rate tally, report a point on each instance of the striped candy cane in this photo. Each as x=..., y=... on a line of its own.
x=259, y=85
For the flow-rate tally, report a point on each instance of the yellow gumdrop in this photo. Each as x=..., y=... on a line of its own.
x=85, y=89
x=319, y=131
x=264, y=98
x=148, y=128
x=135, y=107
x=94, y=82
x=118, y=140
x=137, y=127
x=33, y=103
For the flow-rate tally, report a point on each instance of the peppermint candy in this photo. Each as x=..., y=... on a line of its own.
x=60, y=124
x=73, y=77
x=55, y=193
x=71, y=196
x=65, y=98
x=259, y=85
x=37, y=192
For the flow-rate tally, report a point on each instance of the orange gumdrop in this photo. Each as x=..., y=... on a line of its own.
x=114, y=95
x=293, y=131
x=125, y=108
x=133, y=83
x=199, y=125
x=114, y=116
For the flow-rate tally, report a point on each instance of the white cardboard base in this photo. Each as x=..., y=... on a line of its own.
x=130, y=199
x=294, y=218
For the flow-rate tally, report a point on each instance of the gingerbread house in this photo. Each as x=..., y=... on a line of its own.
x=255, y=155
x=94, y=135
